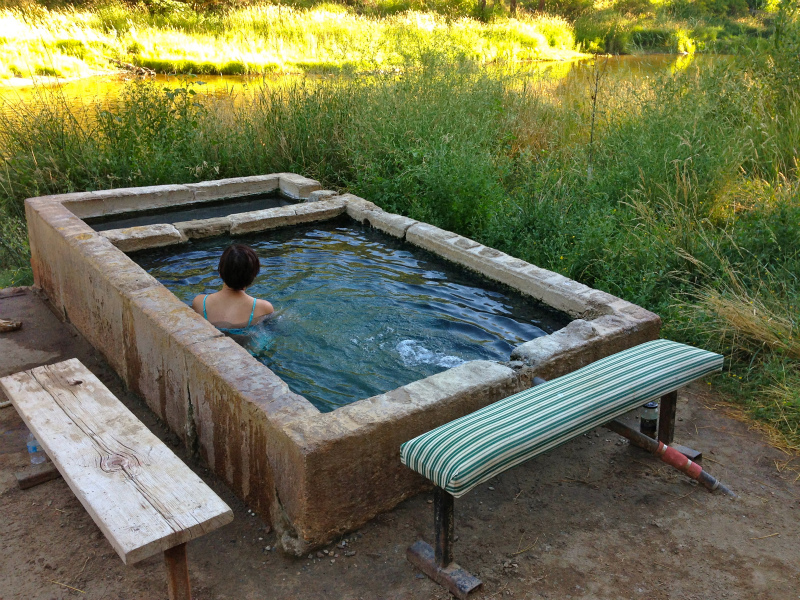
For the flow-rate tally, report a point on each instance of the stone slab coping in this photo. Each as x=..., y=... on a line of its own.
x=130, y=239
x=116, y=201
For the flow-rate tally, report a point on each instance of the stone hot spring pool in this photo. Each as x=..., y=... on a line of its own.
x=359, y=313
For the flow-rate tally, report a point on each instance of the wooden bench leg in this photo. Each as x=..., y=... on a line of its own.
x=177, y=573
x=438, y=564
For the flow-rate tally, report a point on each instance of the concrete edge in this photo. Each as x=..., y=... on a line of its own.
x=119, y=200
x=286, y=216
x=131, y=239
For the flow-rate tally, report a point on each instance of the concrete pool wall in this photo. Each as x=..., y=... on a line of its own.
x=311, y=475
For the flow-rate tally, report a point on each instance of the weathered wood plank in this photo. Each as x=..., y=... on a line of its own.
x=142, y=496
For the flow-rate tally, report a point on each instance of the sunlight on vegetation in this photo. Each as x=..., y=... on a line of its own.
x=261, y=38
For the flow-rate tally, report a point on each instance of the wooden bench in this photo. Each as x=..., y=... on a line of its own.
x=462, y=454
x=141, y=496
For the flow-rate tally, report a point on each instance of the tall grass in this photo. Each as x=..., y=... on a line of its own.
x=260, y=38
x=692, y=209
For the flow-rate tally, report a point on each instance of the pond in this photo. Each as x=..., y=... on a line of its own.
x=359, y=313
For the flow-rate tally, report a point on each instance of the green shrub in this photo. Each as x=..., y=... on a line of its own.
x=650, y=38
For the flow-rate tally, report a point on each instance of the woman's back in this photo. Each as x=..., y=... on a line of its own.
x=232, y=308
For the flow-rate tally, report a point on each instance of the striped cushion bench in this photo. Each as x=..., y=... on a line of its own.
x=464, y=453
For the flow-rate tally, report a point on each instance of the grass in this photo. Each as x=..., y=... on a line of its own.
x=235, y=38
x=260, y=38
x=692, y=209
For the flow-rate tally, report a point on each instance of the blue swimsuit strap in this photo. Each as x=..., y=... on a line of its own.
x=252, y=312
x=205, y=315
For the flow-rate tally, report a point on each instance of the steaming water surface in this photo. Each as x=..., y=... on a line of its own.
x=359, y=313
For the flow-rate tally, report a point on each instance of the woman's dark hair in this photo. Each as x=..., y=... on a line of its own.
x=238, y=266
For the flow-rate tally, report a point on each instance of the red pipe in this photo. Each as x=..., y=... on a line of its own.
x=670, y=456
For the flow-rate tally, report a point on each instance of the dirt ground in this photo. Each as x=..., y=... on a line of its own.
x=592, y=519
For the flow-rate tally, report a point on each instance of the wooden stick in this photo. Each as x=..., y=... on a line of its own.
x=6, y=325
x=178, y=573
x=66, y=586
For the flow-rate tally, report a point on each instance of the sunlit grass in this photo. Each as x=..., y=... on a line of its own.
x=263, y=39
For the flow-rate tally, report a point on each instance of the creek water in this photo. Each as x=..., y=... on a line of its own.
x=574, y=79
x=357, y=312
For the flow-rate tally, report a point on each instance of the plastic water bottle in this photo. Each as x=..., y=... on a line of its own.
x=35, y=450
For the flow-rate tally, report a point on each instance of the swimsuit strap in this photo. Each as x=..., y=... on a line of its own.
x=252, y=312
x=205, y=315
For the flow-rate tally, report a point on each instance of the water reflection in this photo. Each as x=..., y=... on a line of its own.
x=573, y=77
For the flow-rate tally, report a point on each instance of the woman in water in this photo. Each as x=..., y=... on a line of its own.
x=231, y=309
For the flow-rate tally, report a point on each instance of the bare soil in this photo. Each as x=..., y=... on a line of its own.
x=592, y=519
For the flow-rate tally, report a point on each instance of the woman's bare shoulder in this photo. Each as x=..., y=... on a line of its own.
x=263, y=308
x=197, y=303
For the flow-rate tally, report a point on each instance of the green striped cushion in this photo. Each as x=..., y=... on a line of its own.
x=468, y=451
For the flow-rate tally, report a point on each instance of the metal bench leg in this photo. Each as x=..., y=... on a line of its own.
x=443, y=523
x=666, y=426
x=177, y=573
x=666, y=417
x=438, y=564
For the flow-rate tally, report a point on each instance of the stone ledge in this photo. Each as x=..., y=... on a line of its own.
x=284, y=216
x=551, y=288
x=111, y=202
x=202, y=228
x=296, y=186
x=321, y=195
x=583, y=342
x=394, y=225
x=131, y=239
x=234, y=187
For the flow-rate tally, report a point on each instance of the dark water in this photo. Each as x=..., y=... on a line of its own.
x=177, y=214
x=359, y=313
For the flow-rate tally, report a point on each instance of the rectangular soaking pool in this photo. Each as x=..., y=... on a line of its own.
x=358, y=312
x=379, y=367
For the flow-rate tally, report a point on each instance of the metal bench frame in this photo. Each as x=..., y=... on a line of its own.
x=438, y=562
